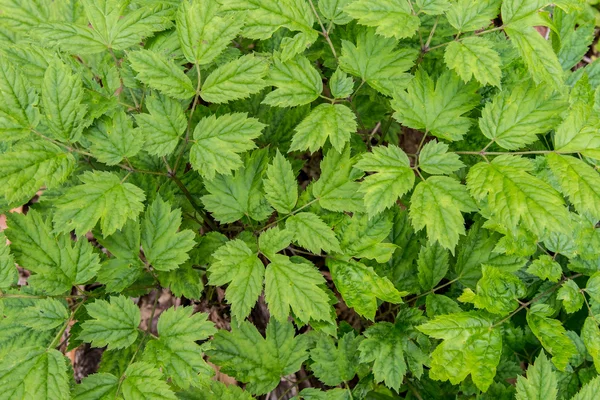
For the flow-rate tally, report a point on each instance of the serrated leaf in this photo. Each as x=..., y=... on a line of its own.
x=8, y=269
x=551, y=334
x=143, y=380
x=70, y=38
x=28, y=166
x=474, y=57
x=392, y=18
x=235, y=264
x=113, y=138
x=235, y=80
x=96, y=199
x=592, y=286
x=259, y=362
x=331, y=394
x=113, y=324
x=290, y=47
x=335, y=364
x=515, y=117
x=571, y=297
x=433, y=265
x=273, y=240
x=436, y=203
x=185, y=281
x=545, y=267
x=360, y=286
x=361, y=236
x=376, y=61
x=435, y=159
x=45, y=314
x=312, y=233
x=341, y=85
x=590, y=334
x=471, y=346
x=18, y=111
x=432, y=7
x=445, y=102
x=471, y=15
x=96, y=386
x=540, y=382
x=163, y=126
x=281, y=187
x=589, y=391
x=392, y=179
x=218, y=142
x=438, y=304
x=160, y=73
x=333, y=10
x=297, y=82
x=335, y=122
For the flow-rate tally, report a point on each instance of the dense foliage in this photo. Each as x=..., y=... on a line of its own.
x=407, y=188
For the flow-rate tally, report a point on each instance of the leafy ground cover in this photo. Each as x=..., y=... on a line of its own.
x=319, y=199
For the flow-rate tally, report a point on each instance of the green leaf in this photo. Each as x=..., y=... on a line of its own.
x=592, y=286
x=538, y=55
x=312, y=233
x=341, y=85
x=80, y=207
x=281, y=187
x=515, y=12
x=237, y=265
x=45, y=314
x=433, y=265
x=376, y=61
x=361, y=236
x=571, y=297
x=96, y=386
x=113, y=324
x=590, y=334
x=360, y=286
x=219, y=142
x=297, y=82
x=28, y=166
x=203, y=33
x=335, y=364
x=185, y=281
x=436, y=203
x=291, y=47
x=259, y=362
x=335, y=122
x=589, y=391
x=273, y=240
x=471, y=346
x=545, y=267
x=164, y=247
x=62, y=96
x=113, y=138
x=231, y=197
x=143, y=380
x=35, y=373
x=551, y=333
x=474, y=57
x=331, y=394
x=540, y=382
x=437, y=304
x=435, y=159
x=175, y=350
x=471, y=15
x=70, y=38
x=295, y=286
x=517, y=198
x=432, y=7
x=163, y=126
x=18, y=111
x=160, y=73
x=393, y=19
x=8, y=269
x=445, y=102
x=333, y=10
x=336, y=188
x=515, y=117
x=235, y=80
x=392, y=179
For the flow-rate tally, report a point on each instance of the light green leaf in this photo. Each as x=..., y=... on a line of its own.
x=219, y=140
x=361, y=236
x=281, y=187
x=590, y=334
x=521, y=14
x=334, y=121
x=260, y=362
x=113, y=138
x=45, y=314
x=445, y=102
x=433, y=265
x=185, y=281
x=331, y=394
x=360, y=286
x=474, y=57
x=438, y=304
x=160, y=73
x=335, y=364
x=295, y=286
x=273, y=240
x=589, y=391
x=471, y=346
x=62, y=96
x=99, y=195
x=435, y=159
x=392, y=179
x=235, y=80
x=297, y=82
x=312, y=233
x=203, y=33
x=163, y=126
x=8, y=269
x=239, y=267
x=376, y=61
x=28, y=166
x=436, y=203
x=341, y=85
x=96, y=386
x=471, y=15
x=432, y=7
x=113, y=324
x=290, y=47
x=392, y=18
x=571, y=297
x=540, y=382
x=71, y=38
x=551, y=333
x=137, y=25
x=18, y=111
x=143, y=380
x=333, y=10
x=515, y=117
x=545, y=267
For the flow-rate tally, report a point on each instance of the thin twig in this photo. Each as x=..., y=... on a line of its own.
x=324, y=31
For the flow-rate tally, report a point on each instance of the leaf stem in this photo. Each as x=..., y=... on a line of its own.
x=56, y=339
x=324, y=32
x=192, y=201
x=189, y=124
x=287, y=215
